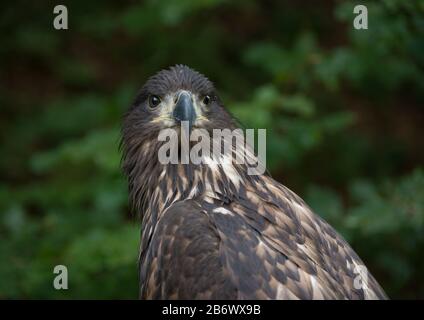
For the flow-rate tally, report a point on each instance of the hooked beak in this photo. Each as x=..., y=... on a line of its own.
x=184, y=109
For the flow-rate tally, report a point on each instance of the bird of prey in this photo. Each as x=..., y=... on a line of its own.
x=211, y=230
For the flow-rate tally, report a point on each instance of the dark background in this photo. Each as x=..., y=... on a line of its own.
x=343, y=110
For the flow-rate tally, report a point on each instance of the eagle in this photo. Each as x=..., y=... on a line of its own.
x=211, y=230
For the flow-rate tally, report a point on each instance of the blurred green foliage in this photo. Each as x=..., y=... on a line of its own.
x=343, y=109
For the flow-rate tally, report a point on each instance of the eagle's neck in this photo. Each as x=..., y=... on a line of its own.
x=217, y=178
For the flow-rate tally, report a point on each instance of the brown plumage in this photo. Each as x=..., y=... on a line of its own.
x=211, y=231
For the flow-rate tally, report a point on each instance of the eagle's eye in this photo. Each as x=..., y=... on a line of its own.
x=206, y=100
x=153, y=101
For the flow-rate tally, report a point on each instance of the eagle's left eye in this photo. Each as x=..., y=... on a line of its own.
x=206, y=100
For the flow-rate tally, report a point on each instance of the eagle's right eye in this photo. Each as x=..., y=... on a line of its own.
x=154, y=101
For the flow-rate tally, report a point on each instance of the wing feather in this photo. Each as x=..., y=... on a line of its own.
x=262, y=245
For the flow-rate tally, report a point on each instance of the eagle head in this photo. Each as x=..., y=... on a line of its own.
x=174, y=95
